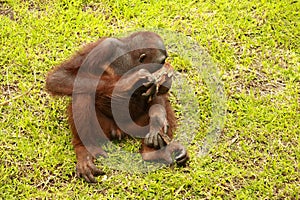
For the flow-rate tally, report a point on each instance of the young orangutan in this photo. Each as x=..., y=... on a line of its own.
x=118, y=86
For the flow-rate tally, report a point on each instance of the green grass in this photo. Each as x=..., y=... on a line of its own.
x=255, y=45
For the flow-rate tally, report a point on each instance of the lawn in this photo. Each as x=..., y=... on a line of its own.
x=252, y=58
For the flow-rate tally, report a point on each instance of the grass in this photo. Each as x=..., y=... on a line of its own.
x=255, y=45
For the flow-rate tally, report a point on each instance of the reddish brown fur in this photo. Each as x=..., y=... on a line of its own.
x=61, y=82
